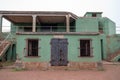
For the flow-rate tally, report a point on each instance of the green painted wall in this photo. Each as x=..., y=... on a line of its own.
x=11, y=53
x=89, y=14
x=109, y=26
x=113, y=44
x=86, y=25
x=73, y=51
x=110, y=43
x=44, y=44
x=103, y=45
x=45, y=48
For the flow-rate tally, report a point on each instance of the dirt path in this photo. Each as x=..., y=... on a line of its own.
x=111, y=72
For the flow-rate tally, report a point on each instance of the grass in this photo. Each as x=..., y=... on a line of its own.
x=7, y=63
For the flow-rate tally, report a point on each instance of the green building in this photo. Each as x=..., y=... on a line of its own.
x=48, y=39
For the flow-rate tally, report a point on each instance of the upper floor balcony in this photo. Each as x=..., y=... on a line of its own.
x=34, y=21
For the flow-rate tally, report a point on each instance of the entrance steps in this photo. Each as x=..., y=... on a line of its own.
x=5, y=42
x=110, y=63
x=112, y=56
x=4, y=47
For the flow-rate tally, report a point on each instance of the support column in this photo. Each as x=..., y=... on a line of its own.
x=34, y=23
x=67, y=23
x=0, y=23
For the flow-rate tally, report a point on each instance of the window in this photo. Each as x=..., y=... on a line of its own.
x=94, y=15
x=85, y=48
x=100, y=27
x=32, y=47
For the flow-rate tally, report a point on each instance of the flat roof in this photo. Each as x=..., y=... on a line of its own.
x=39, y=12
x=43, y=16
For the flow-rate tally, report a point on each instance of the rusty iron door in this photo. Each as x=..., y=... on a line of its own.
x=59, y=50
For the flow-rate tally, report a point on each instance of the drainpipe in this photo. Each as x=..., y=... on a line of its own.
x=67, y=23
x=34, y=23
x=0, y=23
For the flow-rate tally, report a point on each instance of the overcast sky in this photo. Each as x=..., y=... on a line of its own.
x=110, y=8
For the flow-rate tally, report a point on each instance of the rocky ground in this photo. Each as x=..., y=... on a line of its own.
x=110, y=72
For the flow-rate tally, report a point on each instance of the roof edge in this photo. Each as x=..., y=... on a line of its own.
x=38, y=12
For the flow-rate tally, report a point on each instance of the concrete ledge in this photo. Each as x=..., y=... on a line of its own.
x=57, y=33
x=82, y=65
x=36, y=65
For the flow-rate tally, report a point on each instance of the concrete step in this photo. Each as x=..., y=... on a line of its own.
x=110, y=63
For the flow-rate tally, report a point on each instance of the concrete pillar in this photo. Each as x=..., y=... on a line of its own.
x=67, y=23
x=0, y=23
x=34, y=23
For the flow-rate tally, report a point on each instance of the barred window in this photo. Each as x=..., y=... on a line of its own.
x=85, y=48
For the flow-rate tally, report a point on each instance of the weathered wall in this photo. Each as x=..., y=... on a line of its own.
x=45, y=48
x=84, y=24
x=113, y=44
x=110, y=44
x=109, y=26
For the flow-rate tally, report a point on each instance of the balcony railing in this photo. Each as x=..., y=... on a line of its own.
x=45, y=29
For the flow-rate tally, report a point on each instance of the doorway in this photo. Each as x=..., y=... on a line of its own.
x=59, y=51
x=102, y=56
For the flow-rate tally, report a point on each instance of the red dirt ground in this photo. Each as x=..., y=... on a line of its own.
x=111, y=72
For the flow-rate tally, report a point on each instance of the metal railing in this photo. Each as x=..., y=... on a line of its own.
x=49, y=29
x=44, y=28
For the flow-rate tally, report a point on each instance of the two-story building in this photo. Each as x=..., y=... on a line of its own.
x=48, y=39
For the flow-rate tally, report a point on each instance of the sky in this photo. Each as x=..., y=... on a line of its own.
x=110, y=8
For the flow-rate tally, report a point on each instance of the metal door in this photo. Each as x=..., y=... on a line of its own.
x=59, y=52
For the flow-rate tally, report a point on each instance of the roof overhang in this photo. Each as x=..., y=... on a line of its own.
x=42, y=16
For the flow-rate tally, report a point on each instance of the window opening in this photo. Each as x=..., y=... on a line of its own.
x=32, y=49
x=85, y=48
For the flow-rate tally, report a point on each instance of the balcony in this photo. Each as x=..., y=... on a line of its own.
x=45, y=29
